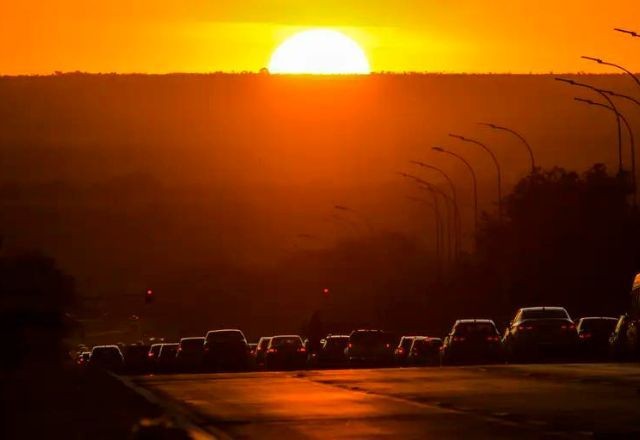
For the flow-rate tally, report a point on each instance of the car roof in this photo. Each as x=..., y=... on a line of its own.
x=285, y=336
x=474, y=321
x=225, y=330
x=337, y=336
x=170, y=344
x=594, y=318
x=193, y=338
x=364, y=330
x=105, y=347
x=543, y=308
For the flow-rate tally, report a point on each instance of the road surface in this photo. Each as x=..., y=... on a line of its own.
x=504, y=401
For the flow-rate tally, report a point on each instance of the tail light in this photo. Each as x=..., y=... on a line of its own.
x=493, y=338
x=350, y=345
x=302, y=350
x=458, y=338
x=568, y=326
x=272, y=350
x=400, y=350
x=525, y=327
x=387, y=345
x=150, y=354
x=585, y=335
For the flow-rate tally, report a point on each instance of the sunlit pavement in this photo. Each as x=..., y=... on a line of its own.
x=523, y=401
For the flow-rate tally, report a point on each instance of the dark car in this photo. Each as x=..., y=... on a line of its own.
x=424, y=351
x=472, y=341
x=401, y=352
x=286, y=352
x=331, y=352
x=370, y=348
x=190, y=353
x=166, y=362
x=226, y=350
x=108, y=357
x=260, y=353
x=152, y=355
x=82, y=359
x=593, y=335
x=136, y=359
x=537, y=332
x=620, y=347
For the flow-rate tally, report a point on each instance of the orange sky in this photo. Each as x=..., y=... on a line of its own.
x=38, y=37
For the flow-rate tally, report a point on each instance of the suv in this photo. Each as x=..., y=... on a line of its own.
x=108, y=357
x=594, y=334
x=472, y=340
x=536, y=331
x=190, y=351
x=401, y=353
x=370, y=347
x=331, y=353
x=226, y=350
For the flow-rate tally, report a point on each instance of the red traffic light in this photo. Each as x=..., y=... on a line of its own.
x=325, y=291
x=148, y=296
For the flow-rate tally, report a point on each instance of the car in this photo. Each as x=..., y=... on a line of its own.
x=190, y=353
x=166, y=362
x=620, y=348
x=370, y=348
x=260, y=353
x=401, y=352
x=252, y=348
x=152, y=355
x=107, y=357
x=593, y=336
x=424, y=350
x=286, y=352
x=331, y=352
x=226, y=350
x=537, y=332
x=472, y=341
x=82, y=359
x=136, y=360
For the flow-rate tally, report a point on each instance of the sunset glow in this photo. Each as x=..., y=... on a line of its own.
x=319, y=51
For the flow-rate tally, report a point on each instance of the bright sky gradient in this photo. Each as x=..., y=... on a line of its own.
x=39, y=37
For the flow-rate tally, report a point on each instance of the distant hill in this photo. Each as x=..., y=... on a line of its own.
x=128, y=178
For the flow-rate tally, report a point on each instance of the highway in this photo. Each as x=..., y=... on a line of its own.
x=502, y=401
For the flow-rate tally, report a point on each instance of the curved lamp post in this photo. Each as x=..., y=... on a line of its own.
x=617, y=66
x=495, y=161
x=454, y=196
x=631, y=140
x=474, y=180
x=617, y=114
x=520, y=137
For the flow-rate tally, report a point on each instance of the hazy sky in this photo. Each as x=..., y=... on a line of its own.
x=412, y=35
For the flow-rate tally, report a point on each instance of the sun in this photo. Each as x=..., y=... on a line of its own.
x=319, y=51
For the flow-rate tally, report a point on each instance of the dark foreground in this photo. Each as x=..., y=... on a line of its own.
x=514, y=401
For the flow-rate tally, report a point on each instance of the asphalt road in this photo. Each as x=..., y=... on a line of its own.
x=505, y=401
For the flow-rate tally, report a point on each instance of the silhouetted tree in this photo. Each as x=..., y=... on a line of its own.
x=34, y=297
x=566, y=239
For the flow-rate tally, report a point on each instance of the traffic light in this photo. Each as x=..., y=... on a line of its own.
x=149, y=296
x=325, y=291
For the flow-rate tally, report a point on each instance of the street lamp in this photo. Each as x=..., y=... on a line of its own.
x=617, y=66
x=617, y=113
x=620, y=95
x=495, y=161
x=624, y=31
x=447, y=199
x=631, y=140
x=364, y=219
x=519, y=136
x=438, y=225
x=474, y=180
x=456, y=212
